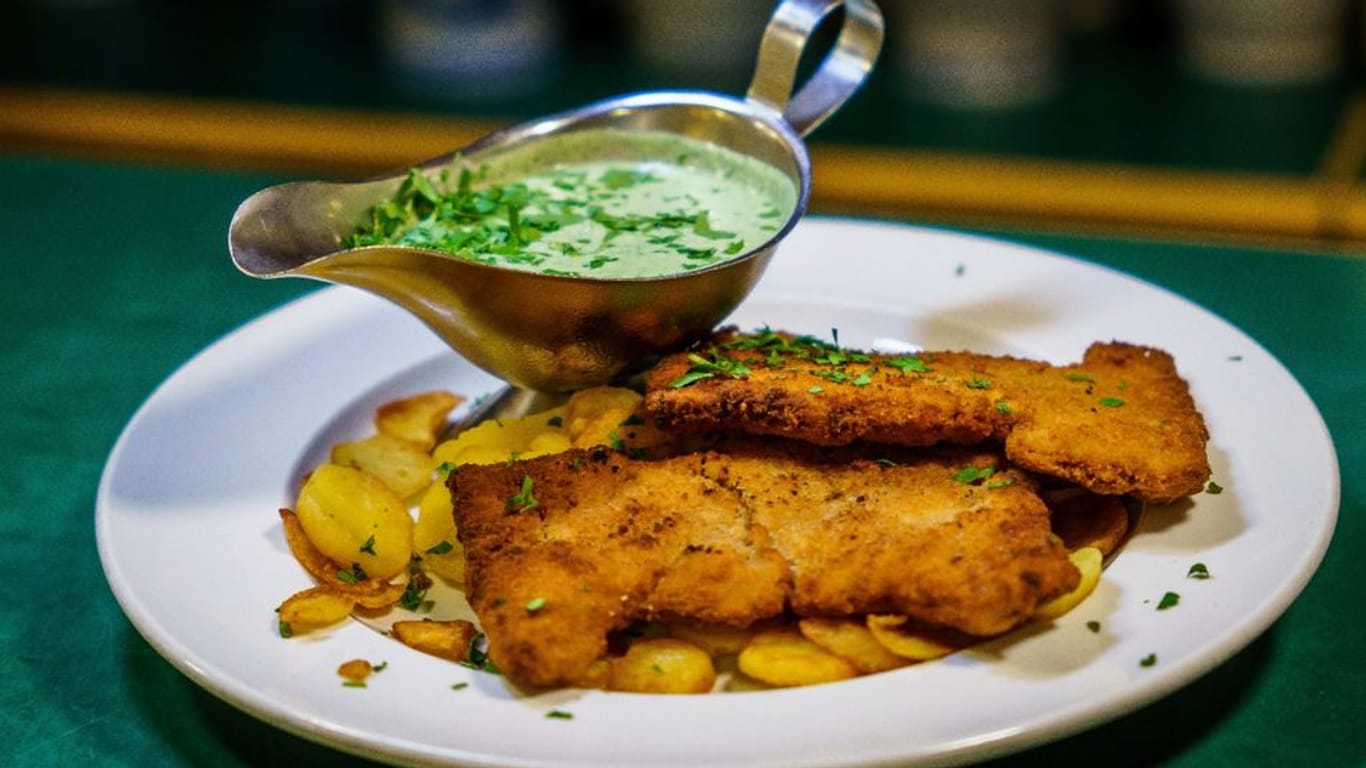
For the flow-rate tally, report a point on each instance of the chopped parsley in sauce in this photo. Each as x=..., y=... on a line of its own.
x=557, y=208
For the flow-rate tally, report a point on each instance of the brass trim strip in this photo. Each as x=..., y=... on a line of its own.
x=904, y=183
x=224, y=134
x=1340, y=170
x=1058, y=193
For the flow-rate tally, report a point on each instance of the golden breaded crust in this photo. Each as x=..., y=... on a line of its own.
x=565, y=549
x=1131, y=427
x=902, y=534
x=1120, y=422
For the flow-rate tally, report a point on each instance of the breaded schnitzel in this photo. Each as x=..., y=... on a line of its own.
x=565, y=549
x=1120, y=422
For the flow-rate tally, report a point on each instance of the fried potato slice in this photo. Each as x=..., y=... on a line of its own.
x=898, y=636
x=369, y=593
x=417, y=419
x=499, y=440
x=1088, y=561
x=599, y=416
x=663, y=665
x=445, y=639
x=313, y=608
x=587, y=405
x=318, y=565
x=611, y=416
x=1084, y=519
x=783, y=657
x=375, y=595
x=548, y=442
x=434, y=536
x=715, y=639
x=356, y=520
x=597, y=676
x=852, y=641
x=356, y=670
x=405, y=466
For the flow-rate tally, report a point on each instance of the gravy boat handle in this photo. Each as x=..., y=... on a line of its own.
x=838, y=76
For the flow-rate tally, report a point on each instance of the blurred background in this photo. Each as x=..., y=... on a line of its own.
x=1231, y=118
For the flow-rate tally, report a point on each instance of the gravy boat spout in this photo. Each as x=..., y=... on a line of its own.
x=558, y=332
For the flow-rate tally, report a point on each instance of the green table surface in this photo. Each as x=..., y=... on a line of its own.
x=115, y=275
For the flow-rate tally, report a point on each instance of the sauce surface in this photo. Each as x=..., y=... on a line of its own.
x=600, y=203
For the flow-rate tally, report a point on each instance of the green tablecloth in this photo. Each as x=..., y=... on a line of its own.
x=115, y=275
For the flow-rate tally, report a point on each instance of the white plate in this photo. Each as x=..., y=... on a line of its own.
x=193, y=550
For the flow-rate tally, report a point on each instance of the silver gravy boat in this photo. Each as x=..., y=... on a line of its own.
x=546, y=333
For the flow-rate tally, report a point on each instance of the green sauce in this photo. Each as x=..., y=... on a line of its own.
x=598, y=203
